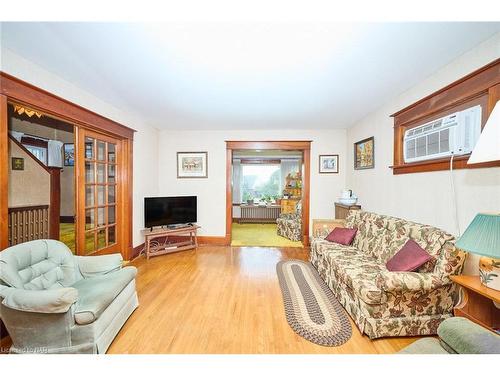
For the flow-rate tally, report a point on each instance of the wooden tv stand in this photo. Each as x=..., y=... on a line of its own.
x=159, y=240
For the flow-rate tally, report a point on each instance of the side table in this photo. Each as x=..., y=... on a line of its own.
x=478, y=301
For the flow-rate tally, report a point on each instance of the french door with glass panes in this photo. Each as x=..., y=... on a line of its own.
x=99, y=189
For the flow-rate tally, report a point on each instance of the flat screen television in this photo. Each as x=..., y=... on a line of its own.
x=160, y=211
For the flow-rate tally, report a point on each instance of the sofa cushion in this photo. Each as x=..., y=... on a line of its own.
x=358, y=273
x=382, y=236
x=97, y=293
x=343, y=236
x=409, y=258
x=322, y=247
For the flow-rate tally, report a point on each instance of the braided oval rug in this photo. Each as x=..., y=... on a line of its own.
x=310, y=306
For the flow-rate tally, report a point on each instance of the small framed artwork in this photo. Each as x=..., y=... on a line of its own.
x=364, y=154
x=192, y=164
x=69, y=154
x=18, y=164
x=328, y=164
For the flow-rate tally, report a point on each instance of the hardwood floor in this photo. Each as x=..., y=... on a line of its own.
x=222, y=300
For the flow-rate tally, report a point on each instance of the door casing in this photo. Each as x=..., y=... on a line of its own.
x=304, y=146
x=16, y=90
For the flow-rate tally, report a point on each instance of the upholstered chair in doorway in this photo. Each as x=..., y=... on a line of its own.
x=290, y=225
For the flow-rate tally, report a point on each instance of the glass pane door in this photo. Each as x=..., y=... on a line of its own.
x=100, y=203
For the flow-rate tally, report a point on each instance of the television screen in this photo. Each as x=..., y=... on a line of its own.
x=169, y=210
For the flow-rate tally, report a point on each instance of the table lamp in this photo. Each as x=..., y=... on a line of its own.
x=482, y=236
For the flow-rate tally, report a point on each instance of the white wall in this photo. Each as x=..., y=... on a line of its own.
x=30, y=186
x=211, y=191
x=424, y=197
x=145, y=139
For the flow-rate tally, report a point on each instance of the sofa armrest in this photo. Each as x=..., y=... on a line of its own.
x=39, y=301
x=99, y=265
x=410, y=281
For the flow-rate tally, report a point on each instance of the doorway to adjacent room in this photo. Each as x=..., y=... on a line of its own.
x=267, y=193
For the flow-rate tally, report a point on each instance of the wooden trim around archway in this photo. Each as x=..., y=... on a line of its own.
x=304, y=146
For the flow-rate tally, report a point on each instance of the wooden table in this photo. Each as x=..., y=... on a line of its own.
x=169, y=240
x=477, y=302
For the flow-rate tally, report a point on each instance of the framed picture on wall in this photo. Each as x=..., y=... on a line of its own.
x=69, y=154
x=18, y=164
x=328, y=164
x=364, y=154
x=192, y=164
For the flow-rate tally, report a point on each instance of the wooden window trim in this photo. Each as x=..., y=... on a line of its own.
x=481, y=86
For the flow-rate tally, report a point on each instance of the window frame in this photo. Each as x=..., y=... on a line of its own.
x=479, y=87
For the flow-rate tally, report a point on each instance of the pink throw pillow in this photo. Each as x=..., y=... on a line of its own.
x=408, y=258
x=343, y=236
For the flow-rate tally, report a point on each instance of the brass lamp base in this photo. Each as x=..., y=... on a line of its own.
x=489, y=272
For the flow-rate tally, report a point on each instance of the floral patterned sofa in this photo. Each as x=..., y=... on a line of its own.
x=290, y=225
x=384, y=303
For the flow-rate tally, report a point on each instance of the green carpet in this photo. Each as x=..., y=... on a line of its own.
x=259, y=235
x=67, y=235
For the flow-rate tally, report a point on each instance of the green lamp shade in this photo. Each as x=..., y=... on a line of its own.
x=482, y=236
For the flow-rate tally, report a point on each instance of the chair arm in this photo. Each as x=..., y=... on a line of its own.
x=99, y=265
x=39, y=301
x=289, y=216
x=410, y=281
x=462, y=336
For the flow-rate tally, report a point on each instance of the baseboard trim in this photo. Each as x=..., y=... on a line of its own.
x=136, y=251
x=213, y=240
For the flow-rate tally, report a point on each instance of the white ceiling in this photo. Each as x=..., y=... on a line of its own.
x=245, y=76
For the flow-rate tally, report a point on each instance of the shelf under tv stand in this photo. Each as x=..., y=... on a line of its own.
x=164, y=240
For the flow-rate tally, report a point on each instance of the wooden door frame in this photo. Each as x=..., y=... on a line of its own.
x=304, y=146
x=13, y=89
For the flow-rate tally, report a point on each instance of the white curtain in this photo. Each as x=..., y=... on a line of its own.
x=237, y=177
x=17, y=135
x=55, y=158
x=288, y=166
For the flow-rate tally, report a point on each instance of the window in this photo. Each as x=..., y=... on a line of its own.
x=260, y=181
x=38, y=152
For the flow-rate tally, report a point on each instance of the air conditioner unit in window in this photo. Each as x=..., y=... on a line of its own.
x=453, y=134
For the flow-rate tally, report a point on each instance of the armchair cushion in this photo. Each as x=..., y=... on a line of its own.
x=97, y=293
x=38, y=265
x=99, y=265
x=40, y=301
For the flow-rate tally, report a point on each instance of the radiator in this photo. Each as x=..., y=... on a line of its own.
x=256, y=214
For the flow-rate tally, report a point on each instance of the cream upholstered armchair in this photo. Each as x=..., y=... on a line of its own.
x=55, y=302
x=290, y=225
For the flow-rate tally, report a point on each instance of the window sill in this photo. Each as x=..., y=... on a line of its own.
x=459, y=162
